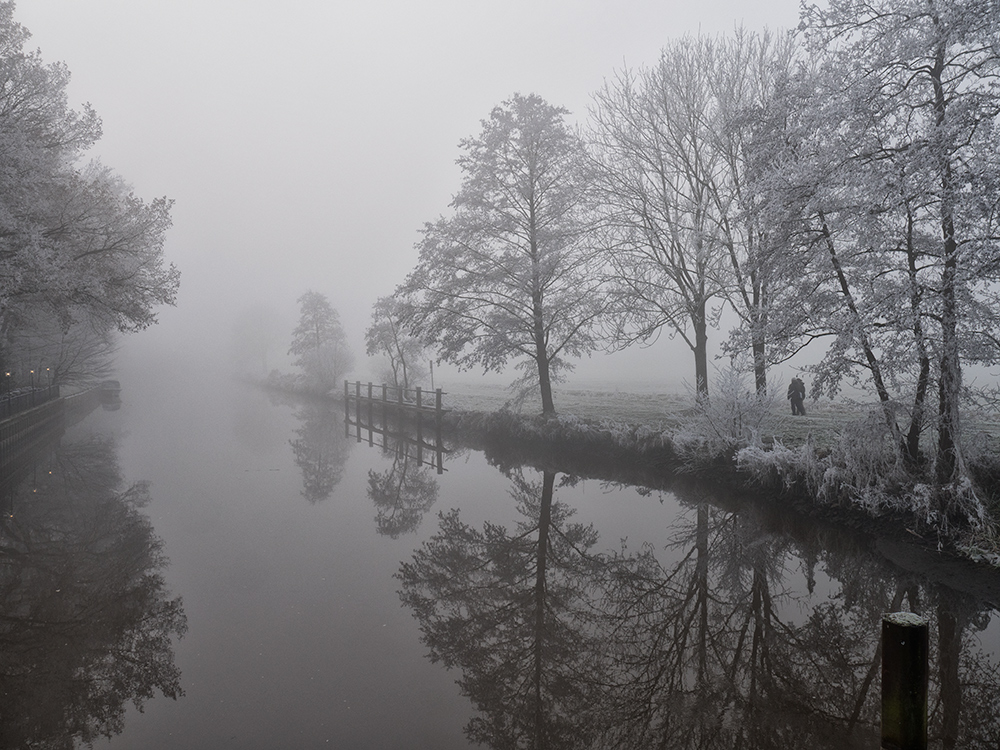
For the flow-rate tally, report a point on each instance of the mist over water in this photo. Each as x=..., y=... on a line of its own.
x=296, y=630
x=285, y=556
x=339, y=594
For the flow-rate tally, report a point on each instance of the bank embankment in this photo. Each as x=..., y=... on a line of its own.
x=802, y=480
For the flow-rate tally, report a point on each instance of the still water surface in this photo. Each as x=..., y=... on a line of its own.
x=327, y=587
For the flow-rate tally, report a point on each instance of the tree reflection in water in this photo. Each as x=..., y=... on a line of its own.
x=320, y=449
x=514, y=611
x=85, y=621
x=403, y=493
x=718, y=640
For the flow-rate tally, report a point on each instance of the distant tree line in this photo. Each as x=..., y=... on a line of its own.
x=81, y=256
x=840, y=183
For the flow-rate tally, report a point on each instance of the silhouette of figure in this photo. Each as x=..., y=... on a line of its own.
x=797, y=395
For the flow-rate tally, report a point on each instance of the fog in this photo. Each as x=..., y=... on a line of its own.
x=305, y=143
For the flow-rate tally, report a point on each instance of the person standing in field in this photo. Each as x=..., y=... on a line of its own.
x=797, y=395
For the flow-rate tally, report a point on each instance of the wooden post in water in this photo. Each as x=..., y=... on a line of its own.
x=385, y=414
x=904, y=681
x=438, y=442
x=357, y=408
x=347, y=409
x=420, y=430
x=371, y=440
x=399, y=415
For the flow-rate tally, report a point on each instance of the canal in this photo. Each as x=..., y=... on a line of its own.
x=292, y=587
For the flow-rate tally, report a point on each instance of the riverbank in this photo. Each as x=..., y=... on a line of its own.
x=840, y=477
x=835, y=464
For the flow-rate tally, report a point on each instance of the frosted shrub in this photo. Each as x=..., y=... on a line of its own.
x=795, y=468
x=763, y=465
x=866, y=453
x=732, y=417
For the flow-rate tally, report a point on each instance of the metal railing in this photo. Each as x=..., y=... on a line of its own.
x=26, y=398
x=24, y=429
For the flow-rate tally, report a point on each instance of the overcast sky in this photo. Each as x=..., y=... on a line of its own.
x=306, y=142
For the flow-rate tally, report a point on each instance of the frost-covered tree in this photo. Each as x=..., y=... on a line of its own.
x=651, y=137
x=320, y=344
x=679, y=145
x=75, y=242
x=751, y=74
x=80, y=354
x=388, y=337
x=896, y=199
x=510, y=275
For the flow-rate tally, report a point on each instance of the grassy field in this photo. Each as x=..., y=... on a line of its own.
x=648, y=404
x=598, y=401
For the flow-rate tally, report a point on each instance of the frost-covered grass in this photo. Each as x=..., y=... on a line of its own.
x=640, y=405
x=662, y=408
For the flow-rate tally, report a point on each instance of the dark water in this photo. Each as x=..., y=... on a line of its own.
x=336, y=595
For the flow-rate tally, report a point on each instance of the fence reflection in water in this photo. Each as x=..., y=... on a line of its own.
x=390, y=414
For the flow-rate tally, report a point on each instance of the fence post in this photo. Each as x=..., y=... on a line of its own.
x=347, y=408
x=385, y=414
x=904, y=681
x=371, y=440
x=357, y=409
x=420, y=429
x=400, y=422
x=438, y=442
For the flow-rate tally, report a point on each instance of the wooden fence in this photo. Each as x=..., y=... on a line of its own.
x=397, y=416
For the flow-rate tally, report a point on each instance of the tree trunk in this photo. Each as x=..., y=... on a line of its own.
x=758, y=335
x=538, y=324
x=759, y=363
x=912, y=452
x=950, y=381
x=862, y=339
x=949, y=385
x=700, y=321
x=917, y=413
x=545, y=385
